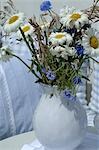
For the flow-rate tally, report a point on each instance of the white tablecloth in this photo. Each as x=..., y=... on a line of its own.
x=91, y=142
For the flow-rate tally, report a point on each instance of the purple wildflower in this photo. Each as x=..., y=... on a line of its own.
x=68, y=95
x=77, y=80
x=71, y=31
x=50, y=75
x=80, y=49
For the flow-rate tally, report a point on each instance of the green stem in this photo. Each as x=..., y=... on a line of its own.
x=59, y=68
x=25, y=39
x=37, y=63
x=50, y=13
x=32, y=71
x=85, y=78
x=94, y=60
x=81, y=62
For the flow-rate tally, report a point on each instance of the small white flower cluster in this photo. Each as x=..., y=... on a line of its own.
x=4, y=54
x=62, y=51
x=61, y=42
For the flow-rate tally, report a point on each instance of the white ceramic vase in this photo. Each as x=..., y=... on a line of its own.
x=59, y=124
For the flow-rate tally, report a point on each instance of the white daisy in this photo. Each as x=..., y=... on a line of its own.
x=63, y=51
x=13, y=23
x=27, y=29
x=4, y=53
x=75, y=19
x=69, y=51
x=91, y=42
x=60, y=38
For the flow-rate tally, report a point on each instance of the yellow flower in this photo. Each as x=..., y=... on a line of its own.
x=13, y=23
x=91, y=42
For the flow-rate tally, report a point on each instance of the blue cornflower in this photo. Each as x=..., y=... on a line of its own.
x=80, y=49
x=46, y=5
x=77, y=80
x=68, y=95
x=50, y=75
x=71, y=31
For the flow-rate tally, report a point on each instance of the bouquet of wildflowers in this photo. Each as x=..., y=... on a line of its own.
x=59, y=45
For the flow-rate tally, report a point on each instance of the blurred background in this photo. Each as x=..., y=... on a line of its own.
x=31, y=7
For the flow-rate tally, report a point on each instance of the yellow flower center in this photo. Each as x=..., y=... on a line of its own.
x=13, y=19
x=94, y=42
x=75, y=16
x=26, y=28
x=59, y=36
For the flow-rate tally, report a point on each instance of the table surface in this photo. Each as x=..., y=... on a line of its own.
x=16, y=142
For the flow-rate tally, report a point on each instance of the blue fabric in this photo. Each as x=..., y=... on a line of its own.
x=19, y=94
x=24, y=96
